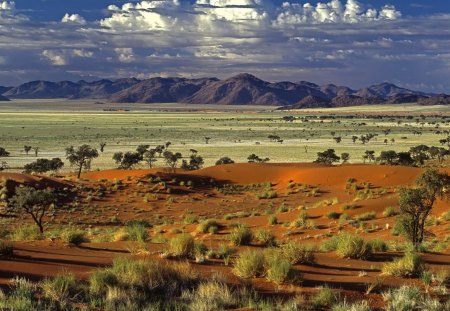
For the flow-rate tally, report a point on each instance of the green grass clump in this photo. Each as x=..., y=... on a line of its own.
x=357, y=306
x=351, y=246
x=100, y=280
x=241, y=235
x=333, y=215
x=377, y=245
x=212, y=295
x=61, y=289
x=273, y=220
x=365, y=216
x=325, y=297
x=410, y=265
x=137, y=231
x=270, y=194
x=405, y=298
x=446, y=216
x=182, y=245
x=209, y=225
x=265, y=237
x=250, y=263
x=26, y=233
x=390, y=211
x=74, y=236
x=278, y=269
x=6, y=249
x=298, y=253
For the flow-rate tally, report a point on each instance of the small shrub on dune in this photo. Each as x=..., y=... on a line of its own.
x=249, y=263
x=136, y=231
x=410, y=265
x=241, y=235
x=212, y=295
x=330, y=244
x=74, y=237
x=297, y=253
x=278, y=268
x=377, y=245
x=6, y=249
x=405, y=298
x=333, y=215
x=100, y=280
x=352, y=246
x=182, y=245
x=265, y=237
x=357, y=306
x=365, y=216
x=26, y=233
x=153, y=276
x=209, y=225
x=273, y=220
x=21, y=296
x=61, y=289
x=325, y=297
x=390, y=211
x=267, y=195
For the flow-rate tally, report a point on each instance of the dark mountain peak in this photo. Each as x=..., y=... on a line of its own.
x=308, y=84
x=3, y=99
x=246, y=77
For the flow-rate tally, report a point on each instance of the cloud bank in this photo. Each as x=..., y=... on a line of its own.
x=337, y=41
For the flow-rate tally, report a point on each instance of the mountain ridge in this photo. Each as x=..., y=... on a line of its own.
x=241, y=89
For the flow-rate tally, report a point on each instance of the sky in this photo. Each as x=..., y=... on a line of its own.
x=345, y=42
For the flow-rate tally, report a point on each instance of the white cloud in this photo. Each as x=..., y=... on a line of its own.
x=7, y=5
x=125, y=55
x=73, y=19
x=54, y=57
x=82, y=53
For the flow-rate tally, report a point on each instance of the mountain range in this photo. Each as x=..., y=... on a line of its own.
x=242, y=89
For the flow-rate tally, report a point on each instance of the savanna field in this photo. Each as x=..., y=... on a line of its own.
x=363, y=227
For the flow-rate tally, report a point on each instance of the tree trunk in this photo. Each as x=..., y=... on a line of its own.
x=79, y=171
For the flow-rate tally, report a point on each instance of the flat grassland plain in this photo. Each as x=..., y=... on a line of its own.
x=234, y=131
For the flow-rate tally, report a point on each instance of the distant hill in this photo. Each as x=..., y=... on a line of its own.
x=3, y=99
x=68, y=89
x=242, y=89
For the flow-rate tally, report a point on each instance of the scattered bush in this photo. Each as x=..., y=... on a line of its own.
x=267, y=195
x=297, y=253
x=365, y=216
x=250, y=263
x=182, y=245
x=405, y=298
x=410, y=265
x=273, y=220
x=351, y=246
x=209, y=225
x=278, y=268
x=377, y=245
x=357, y=306
x=325, y=297
x=241, y=236
x=61, y=289
x=26, y=233
x=74, y=236
x=265, y=237
x=390, y=211
x=333, y=215
x=137, y=231
x=6, y=249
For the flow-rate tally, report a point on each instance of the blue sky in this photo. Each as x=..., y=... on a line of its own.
x=346, y=42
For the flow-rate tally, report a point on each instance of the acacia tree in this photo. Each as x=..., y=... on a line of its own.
x=81, y=157
x=417, y=203
x=27, y=149
x=3, y=165
x=102, y=146
x=127, y=160
x=34, y=202
x=3, y=152
x=44, y=165
x=195, y=162
x=345, y=156
x=150, y=157
x=36, y=151
x=224, y=160
x=172, y=159
x=327, y=157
